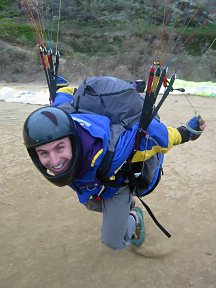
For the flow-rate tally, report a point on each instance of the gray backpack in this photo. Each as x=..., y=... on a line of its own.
x=111, y=97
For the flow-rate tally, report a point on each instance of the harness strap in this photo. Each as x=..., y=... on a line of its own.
x=105, y=165
x=154, y=218
x=103, y=170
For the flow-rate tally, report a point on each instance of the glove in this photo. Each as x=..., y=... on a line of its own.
x=195, y=126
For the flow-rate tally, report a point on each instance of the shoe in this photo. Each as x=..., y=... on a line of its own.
x=139, y=235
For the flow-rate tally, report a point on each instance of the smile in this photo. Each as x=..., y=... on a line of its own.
x=60, y=168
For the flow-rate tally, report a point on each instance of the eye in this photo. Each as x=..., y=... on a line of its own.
x=60, y=148
x=43, y=154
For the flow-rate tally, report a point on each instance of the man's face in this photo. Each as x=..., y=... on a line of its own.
x=56, y=156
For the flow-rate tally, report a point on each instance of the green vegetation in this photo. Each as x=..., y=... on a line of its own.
x=16, y=32
x=105, y=34
x=3, y=4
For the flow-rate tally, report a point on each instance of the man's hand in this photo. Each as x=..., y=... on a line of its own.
x=195, y=126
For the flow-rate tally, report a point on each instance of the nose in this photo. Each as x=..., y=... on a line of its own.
x=54, y=159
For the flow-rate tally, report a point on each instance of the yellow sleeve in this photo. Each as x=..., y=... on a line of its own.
x=174, y=137
x=68, y=90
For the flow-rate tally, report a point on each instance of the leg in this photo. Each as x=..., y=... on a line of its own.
x=118, y=226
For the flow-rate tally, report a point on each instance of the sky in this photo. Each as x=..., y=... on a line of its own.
x=40, y=95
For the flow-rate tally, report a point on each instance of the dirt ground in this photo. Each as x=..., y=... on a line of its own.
x=48, y=240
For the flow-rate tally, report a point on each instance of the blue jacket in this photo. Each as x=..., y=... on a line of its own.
x=160, y=140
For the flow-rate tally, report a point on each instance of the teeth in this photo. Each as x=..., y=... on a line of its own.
x=59, y=166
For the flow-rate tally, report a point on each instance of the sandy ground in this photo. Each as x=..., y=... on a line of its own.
x=47, y=239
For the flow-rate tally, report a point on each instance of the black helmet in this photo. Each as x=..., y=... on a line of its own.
x=46, y=125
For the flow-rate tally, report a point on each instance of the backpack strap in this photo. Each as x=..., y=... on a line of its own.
x=105, y=166
x=103, y=169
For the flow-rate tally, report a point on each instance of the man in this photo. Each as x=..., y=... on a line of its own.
x=69, y=149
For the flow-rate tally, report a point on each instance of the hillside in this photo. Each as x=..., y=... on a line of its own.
x=116, y=38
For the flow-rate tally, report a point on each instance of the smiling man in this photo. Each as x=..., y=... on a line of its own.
x=68, y=149
x=56, y=156
x=50, y=136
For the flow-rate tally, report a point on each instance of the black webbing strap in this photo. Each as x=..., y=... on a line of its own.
x=154, y=218
x=105, y=164
x=103, y=170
